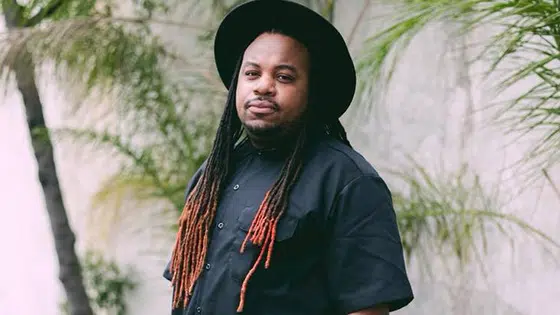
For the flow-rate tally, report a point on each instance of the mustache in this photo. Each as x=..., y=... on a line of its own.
x=263, y=99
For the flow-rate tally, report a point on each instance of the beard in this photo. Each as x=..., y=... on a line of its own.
x=265, y=131
x=268, y=134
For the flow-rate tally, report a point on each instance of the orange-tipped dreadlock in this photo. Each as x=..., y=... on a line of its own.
x=262, y=231
x=189, y=252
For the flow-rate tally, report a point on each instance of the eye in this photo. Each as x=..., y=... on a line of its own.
x=251, y=73
x=285, y=78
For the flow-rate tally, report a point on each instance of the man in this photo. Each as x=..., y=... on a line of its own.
x=287, y=219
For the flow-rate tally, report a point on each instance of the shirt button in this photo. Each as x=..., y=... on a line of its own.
x=199, y=310
x=207, y=267
x=236, y=187
x=220, y=225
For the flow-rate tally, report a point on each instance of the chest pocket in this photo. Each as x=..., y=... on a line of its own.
x=241, y=263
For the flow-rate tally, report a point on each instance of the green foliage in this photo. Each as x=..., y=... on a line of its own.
x=161, y=136
x=450, y=214
x=85, y=39
x=66, y=8
x=107, y=57
x=161, y=150
x=148, y=7
x=151, y=123
x=159, y=127
x=42, y=11
x=107, y=285
x=163, y=143
x=161, y=130
x=527, y=36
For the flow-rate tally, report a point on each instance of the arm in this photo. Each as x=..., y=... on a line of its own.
x=366, y=266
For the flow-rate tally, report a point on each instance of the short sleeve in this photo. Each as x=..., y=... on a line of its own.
x=366, y=264
x=190, y=185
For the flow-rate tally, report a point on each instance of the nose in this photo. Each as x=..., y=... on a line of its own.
x=265, y=85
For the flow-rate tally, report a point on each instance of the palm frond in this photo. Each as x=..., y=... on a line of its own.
x=147, y=121
x=525, y=47
x=153, y=172
x=119, y=198
x=451, y=215
x=55, y=40
x=381, y=51
x=158, y=160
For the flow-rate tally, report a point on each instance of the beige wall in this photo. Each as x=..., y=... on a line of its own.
x=422, y=116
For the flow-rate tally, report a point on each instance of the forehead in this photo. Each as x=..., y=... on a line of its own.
x=276, y=48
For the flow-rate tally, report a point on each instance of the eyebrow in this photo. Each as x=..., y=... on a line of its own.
x=278, y=67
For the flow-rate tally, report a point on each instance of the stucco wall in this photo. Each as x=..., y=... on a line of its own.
x=422, y=115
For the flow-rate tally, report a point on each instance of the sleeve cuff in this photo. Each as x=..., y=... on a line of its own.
x=394, y=297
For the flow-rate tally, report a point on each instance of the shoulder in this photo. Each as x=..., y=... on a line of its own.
x=331, y=169
x=196, y=176
x=335, y=157
x=194, y=179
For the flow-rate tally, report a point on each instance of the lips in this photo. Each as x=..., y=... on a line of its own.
x=261, y=107
x=262, y=104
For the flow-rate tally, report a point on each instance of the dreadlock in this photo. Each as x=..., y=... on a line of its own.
x=337, y=131
x=189, y=252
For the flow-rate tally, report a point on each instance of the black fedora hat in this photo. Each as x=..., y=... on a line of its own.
x=333, y=76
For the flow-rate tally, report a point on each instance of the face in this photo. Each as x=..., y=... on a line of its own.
x=272, y=85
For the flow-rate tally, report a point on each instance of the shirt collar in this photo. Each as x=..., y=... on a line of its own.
x=245, y=147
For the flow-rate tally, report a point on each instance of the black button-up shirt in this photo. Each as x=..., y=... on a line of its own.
x=337, y=249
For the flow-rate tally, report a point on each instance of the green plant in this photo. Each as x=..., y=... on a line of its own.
x=150, y=125
x=107, y=285
x=450, y=214
x=523, y=46
x=69, y=35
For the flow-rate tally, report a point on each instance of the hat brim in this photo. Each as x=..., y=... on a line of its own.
x=334, y=74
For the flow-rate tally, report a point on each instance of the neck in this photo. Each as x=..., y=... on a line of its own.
x=281, y=140
x=273, y=140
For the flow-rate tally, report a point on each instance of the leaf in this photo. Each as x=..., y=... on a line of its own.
x=527, y=37
x=450, y=214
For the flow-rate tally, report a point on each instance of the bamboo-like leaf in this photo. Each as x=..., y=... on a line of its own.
x=527, y=41
x=82, y=45
x=450, y=214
